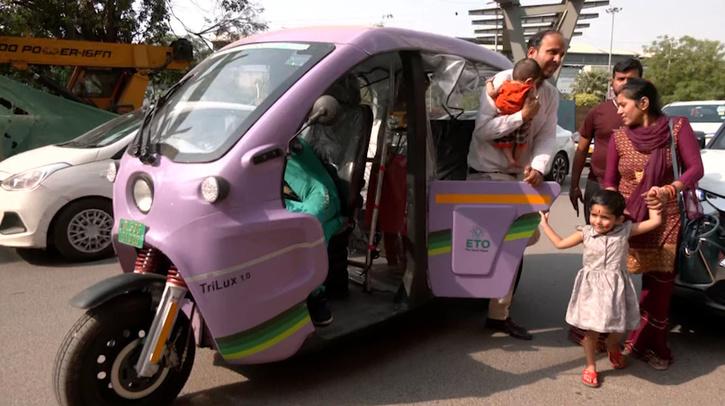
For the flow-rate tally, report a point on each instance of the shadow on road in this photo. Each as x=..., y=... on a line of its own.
x=350, y=359
x=45, y=258
x=443, y=371
x=8, y=255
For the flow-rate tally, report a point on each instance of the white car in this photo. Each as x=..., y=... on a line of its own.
x=58, y=195
x=560, y=163
x=705, y=116
x=713, y=161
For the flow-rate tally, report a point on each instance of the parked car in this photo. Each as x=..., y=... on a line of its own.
x=705, y=116
x=560, y=163
x=58, y=196
x=713, y=181
x=703, y=278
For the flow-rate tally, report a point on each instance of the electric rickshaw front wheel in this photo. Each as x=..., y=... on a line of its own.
x=95, y=363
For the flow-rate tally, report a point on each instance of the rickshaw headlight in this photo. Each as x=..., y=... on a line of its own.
x=213, y=189
x=143, y=194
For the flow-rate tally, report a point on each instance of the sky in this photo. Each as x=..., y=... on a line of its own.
x=638, y=23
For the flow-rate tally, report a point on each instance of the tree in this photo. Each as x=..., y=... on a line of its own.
x=122, y=20
x=232, y=19
x=92, y=20
x=686, y=68
x=590, y=87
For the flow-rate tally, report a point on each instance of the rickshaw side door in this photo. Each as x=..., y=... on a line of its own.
x=477, y=233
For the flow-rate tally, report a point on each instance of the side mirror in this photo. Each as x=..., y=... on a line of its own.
x=324, y=110
x=700, y=139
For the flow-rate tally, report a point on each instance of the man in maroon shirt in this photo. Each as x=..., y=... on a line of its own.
x=598, y=125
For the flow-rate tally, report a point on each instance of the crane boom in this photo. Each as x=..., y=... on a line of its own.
x=111, y=76
x=23, y=51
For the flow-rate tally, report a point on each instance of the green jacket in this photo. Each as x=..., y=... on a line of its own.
x=310, y=181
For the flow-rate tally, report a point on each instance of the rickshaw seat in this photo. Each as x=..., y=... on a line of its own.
x=351, y=168
x=452, y=139
x=343, y=145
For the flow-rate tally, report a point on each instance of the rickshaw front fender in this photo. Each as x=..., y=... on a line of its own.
x=115, y=286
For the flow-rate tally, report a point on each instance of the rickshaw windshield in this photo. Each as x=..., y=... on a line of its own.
x=219, y=100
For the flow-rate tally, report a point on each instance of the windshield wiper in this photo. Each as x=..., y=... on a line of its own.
x=142, y=146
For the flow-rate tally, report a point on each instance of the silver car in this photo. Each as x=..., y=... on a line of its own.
x=58, y=196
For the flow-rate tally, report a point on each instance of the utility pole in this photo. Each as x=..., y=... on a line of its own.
x=611, y=10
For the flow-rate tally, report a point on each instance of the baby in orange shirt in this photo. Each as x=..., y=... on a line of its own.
x=510, y=98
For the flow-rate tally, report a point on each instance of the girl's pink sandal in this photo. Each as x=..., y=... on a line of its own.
x=590, y=378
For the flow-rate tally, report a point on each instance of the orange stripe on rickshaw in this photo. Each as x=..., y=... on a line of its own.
x=492, y=199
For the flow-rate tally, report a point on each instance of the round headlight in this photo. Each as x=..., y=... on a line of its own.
x=112, y=172
x=143, y=194
x=210, y=189
x=213, y=189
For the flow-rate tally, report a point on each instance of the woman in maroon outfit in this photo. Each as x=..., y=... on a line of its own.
x=639, y=165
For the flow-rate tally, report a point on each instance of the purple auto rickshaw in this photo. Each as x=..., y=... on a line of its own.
x=211, y=257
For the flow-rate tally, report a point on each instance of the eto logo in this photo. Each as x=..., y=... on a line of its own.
x=477, y=242
x=478, y=245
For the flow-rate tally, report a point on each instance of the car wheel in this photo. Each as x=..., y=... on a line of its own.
x=82, y=230
x=559, y=168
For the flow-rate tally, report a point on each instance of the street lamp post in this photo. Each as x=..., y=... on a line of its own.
x=611, y=10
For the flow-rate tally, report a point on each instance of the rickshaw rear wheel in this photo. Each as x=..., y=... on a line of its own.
x=95, y=362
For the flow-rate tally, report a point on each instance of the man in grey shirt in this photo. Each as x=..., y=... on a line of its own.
x=486, y=162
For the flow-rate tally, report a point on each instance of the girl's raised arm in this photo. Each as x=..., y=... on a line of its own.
x=560, y=243
x=654, y=221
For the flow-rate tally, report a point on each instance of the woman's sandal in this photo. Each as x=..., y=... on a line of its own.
x=590, y=378
x=617, y=359
x=658, y=363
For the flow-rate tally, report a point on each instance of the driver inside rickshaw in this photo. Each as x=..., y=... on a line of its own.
x=309, y=188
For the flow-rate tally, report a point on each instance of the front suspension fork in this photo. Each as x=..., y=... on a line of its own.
x=154, y=346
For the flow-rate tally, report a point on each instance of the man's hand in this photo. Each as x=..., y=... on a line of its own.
x=575, y=195
x=531, y=106
x=532, y=176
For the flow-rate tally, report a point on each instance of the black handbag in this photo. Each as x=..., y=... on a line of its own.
x=701, y=239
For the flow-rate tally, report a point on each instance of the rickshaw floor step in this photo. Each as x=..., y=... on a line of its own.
x=359, y=310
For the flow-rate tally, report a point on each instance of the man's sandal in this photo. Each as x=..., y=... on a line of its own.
x=590, y=378
x=617, y=359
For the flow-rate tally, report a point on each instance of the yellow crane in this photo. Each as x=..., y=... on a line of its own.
x=110, y=76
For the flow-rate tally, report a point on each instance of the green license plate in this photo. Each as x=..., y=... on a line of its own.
x=131, y=233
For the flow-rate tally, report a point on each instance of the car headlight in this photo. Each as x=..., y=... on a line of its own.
x=31, y=178
x=112, y=171
x=143, y=194
x=700, y=194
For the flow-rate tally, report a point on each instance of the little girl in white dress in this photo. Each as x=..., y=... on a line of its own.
x=604, y=299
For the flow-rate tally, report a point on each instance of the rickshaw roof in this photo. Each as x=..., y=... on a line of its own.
x=375, y=40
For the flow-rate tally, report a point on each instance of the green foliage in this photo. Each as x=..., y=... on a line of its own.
x=594, y=83
x=92, y=20
x=686, y=68
x=586, y=99
x=125, y=21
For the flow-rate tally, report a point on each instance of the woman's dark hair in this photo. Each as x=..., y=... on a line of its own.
x=628, y=64
x=637, y=88
x=612, y=200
